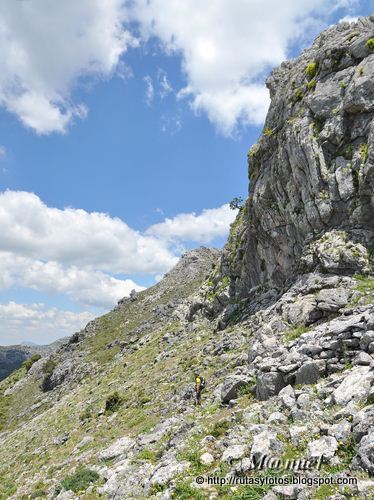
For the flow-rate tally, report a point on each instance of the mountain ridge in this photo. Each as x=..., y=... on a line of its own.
x=280, y=324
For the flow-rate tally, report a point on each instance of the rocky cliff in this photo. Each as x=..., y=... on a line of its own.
x=281, y=325
x=312, y=170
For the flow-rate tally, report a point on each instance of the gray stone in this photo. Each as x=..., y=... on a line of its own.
x=166, y=471
x=363, y=422
x=277, y=418
x=119, y=447
x=85, y=441
x=363, y=359
x=206, y=458
x=231, y=387
x=298, y=434
x=234, y=452
x=355, y=386
x=331, y=300
x=309, y=373
x=287, y=397
x=269, y=384
x=326, y=446
x=341, y=431
x=366, y=452
x=264, y=443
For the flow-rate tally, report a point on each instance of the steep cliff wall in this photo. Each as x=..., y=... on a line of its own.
x=311, y=202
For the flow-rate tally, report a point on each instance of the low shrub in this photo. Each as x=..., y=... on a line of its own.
x=80, y=480
x=113, y=402
x=29, y=362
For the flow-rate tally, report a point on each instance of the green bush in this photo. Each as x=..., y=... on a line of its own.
x=113, y=402
x=295, y=333
x=312, y=84
x=29, y=362
x=80, y=480
x=370, y=44
x=49, y=366
x=364, y=151
x=148, y=455
x=220, y=428
x=311, y=70
x=38, y=494
x=247, y=389
x=298, y=95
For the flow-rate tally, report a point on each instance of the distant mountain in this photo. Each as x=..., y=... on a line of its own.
x=12, y=356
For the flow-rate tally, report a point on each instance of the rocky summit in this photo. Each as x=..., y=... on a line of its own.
x=280, y=324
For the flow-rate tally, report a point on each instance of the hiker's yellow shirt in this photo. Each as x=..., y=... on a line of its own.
x=198, y=381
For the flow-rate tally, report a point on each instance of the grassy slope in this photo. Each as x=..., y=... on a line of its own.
x=62, y=411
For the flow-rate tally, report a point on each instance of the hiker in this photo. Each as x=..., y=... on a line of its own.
x=199, y=386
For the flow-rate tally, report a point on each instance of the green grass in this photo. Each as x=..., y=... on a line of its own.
x=184, y=491
x=297, y=95
x=268, y=131
x=324, y=491
x=295, y=333
x=364, y=151
x=370, y=44
x=365, y=284
x=192, y=455
x=148, y=455
x=219, y=428
x=80, y=480
x=311, y=70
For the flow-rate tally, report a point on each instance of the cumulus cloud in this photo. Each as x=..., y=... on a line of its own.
x=2, y=152
x=85, y=286
x=45, y=47
x=19, y=322
x=202, y=228
x=75, y=237
x=78, y=254
x=227, y=47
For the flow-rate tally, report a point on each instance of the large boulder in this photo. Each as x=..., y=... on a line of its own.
x=268, y=385
x=355, y=386
x=231, y=387
x=310, y=372
x=366, y=452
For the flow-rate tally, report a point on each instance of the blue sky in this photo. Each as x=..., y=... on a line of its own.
x=124, y=129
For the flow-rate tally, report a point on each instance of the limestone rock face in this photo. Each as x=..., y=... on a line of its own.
x=312, y=172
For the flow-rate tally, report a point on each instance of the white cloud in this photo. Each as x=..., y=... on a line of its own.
x=45, y=47
x=19, y=322
x=226, y=47
x=88, y=287
x=74, y=237
x=348, y=19
x=164, y=84
x=149, y=91
x=2, y=152
x=202, y=228
x=78, y=254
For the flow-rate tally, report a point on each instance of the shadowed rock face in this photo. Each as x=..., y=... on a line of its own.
x=311, y=203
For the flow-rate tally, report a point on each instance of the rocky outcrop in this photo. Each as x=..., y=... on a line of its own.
x=312, y=172
x=281, y=327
